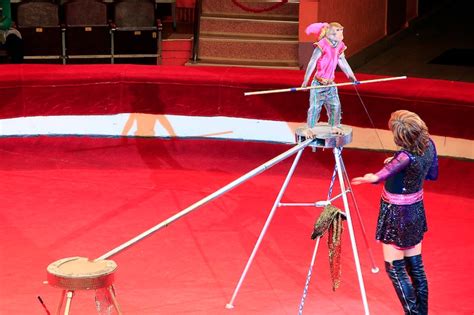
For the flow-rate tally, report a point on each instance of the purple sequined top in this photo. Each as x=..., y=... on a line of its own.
x=405, y=173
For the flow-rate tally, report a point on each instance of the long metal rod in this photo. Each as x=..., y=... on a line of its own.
x=160, y=38
x=107, y=56
x=264, y=229
x=112, y=45
x=308, y=278
x=375, y=269
x=226, y=188
x=51, y=57
x=300, y=204
x=63, y=46
x=340, y=170
x=69, y=296
x=296, y=89
x=312, y=204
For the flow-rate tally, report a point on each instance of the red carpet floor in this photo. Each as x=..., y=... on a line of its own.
x=65, y=197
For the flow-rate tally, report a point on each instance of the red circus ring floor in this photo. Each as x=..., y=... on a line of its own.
x=82, y=196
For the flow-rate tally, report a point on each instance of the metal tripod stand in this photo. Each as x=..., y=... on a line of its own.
x=323, y=139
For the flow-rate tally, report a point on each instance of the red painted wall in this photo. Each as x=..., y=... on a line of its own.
x=363, y=20
x=412, y=9
x=309, y=10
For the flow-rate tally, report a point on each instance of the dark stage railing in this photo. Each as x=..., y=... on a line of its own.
x=197, y=27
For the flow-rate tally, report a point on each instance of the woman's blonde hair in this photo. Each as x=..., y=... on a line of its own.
x=409, y=131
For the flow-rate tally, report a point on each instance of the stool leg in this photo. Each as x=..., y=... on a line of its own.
x=111, y=291
x=69, y=295
x=60, y=305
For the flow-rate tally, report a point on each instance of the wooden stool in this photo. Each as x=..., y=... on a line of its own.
x=80, y=273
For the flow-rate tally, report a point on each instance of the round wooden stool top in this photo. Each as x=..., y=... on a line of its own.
x=80, y=273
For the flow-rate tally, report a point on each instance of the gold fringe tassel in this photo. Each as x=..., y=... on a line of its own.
x=330, y=220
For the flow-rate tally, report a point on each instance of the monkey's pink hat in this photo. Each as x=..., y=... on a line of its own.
x=319, y=29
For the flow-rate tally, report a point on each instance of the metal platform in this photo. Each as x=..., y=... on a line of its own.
x=324, y=138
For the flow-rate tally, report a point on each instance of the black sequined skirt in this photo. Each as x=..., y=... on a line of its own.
x=402, y=226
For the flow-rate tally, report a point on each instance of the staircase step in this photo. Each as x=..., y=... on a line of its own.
x=251, y=49
x=177, y=54
x=176, y=44
x=232, y=62
x=174, y=61
x=288, y=11
x=251, y=28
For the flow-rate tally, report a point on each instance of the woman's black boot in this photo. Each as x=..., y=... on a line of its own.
x=403, y=286
x=416, y=271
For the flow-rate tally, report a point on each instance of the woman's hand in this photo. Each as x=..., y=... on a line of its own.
x=388, y=160
x=366, y=179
